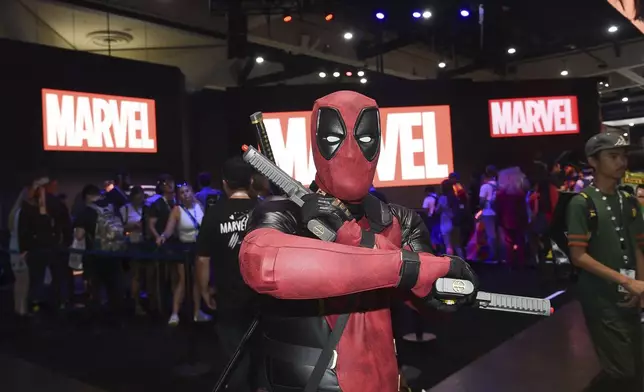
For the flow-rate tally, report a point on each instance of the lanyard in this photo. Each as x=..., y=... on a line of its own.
x=618, y=224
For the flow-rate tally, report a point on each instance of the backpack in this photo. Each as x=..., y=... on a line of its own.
x=558, y=231
x=109, y=234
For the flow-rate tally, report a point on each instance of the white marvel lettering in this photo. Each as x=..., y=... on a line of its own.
x=532, y=116
x=83, y=121
x=409, y=146
x=60, y=120
x=389, y=149
x=234, y=226
x=432, y=168
x=292, y=152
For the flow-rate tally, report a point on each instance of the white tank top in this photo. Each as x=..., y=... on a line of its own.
x=186, y=230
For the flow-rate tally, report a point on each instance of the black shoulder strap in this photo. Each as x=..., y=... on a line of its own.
x=632, y=205
x=592, y=212
x=327, y=354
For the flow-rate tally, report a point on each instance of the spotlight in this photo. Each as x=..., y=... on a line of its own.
x=606, y=84
x=625, y=99
x=336, y=74
x=512, y=50
x=322, y=74
x=363, y=80
x=465, y=13
x=328, y=16
x=361, y=73
x=564, y=72
x=349, y=73
x=613, y=29
x=427, y=14
x=631, y=124
x=259, y=60
x=416, y=15
x=287, y=18
x=626, y=134
x=442, y=64
x=380, y=15
x=348, y=35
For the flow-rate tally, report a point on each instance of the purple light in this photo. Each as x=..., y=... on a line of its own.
x=416, y=14
x=465, y=13
x=380, y=15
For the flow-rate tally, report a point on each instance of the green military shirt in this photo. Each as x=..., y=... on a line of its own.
x=604, y=244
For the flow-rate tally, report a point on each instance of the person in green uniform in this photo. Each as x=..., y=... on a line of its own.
x=610, y=286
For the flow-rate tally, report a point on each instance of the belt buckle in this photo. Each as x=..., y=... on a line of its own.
x=334, y=360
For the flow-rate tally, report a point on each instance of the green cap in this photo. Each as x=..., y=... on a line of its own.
x=606, y=141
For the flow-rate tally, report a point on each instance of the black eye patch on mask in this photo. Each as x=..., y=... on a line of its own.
x=367, y=132
x=331, y=132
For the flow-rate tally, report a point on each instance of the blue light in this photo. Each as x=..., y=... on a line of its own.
x=416, y=14
x=380, y=15
x=465, y=13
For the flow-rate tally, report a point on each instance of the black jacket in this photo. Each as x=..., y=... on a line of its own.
x=299, y=326
x=37, y=232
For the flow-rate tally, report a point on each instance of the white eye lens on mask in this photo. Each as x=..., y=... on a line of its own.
x=365, y=139
x=332, y=139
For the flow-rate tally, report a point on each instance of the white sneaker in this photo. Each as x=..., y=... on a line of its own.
x=174, y=320
x=202, y=317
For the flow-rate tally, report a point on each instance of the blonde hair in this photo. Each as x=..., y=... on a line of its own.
x=16, y=206
x=512, y=180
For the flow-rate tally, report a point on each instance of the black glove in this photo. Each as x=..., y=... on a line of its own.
x=328, y=209
x=458, y=269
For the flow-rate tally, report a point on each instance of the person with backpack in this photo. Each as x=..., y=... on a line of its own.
x=101, y=228
x=487, y=197
x=605, y=234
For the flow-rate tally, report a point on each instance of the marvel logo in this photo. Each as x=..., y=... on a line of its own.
x=533, y=116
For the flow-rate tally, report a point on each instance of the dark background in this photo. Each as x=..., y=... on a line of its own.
x=26, y=69
x=225, y=125
x=200, y=131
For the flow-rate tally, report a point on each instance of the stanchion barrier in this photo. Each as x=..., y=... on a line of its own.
x=149, y=252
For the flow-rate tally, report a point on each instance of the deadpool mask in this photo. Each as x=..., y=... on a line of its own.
x=345, y=138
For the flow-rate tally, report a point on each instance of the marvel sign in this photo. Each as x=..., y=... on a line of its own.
x=74, y=121
x=533, y=116
x=416, y=146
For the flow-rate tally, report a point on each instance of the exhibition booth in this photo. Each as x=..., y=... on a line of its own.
x=430, y=128
x=80, y=114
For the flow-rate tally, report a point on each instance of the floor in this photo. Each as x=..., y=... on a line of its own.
x=147, y=355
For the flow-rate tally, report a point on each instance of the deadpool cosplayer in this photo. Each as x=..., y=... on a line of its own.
x=380, y=249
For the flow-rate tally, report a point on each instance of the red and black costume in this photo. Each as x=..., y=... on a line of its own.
x=311, y=282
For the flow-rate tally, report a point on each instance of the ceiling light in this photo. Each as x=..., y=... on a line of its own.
x=287, y=18
x=465, y=13
x=631, y=124
x=328, y=16
x=416, y=14
x=606, y=84
x=363, y=80
x=613, y=29
x=625, y=99
x=361, y=73
x=336, y=74
x=442, y=64
x=322, y=74
x=512, y=50
x=348, y=35
x=259, y=60
x=564, y=72
x=427, y=14
x=380, y=15
x=626, y=134
x=349, y=73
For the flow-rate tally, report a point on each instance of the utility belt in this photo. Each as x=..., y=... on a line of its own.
x=300, y=361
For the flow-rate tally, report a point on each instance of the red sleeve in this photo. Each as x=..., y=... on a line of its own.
x=291, y=267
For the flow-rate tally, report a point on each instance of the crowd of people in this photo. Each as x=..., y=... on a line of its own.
x=505, y=214
x=315, y=299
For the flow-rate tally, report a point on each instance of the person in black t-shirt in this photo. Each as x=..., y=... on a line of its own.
x=218, y=243
x=159, y=211
x=100, y=270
